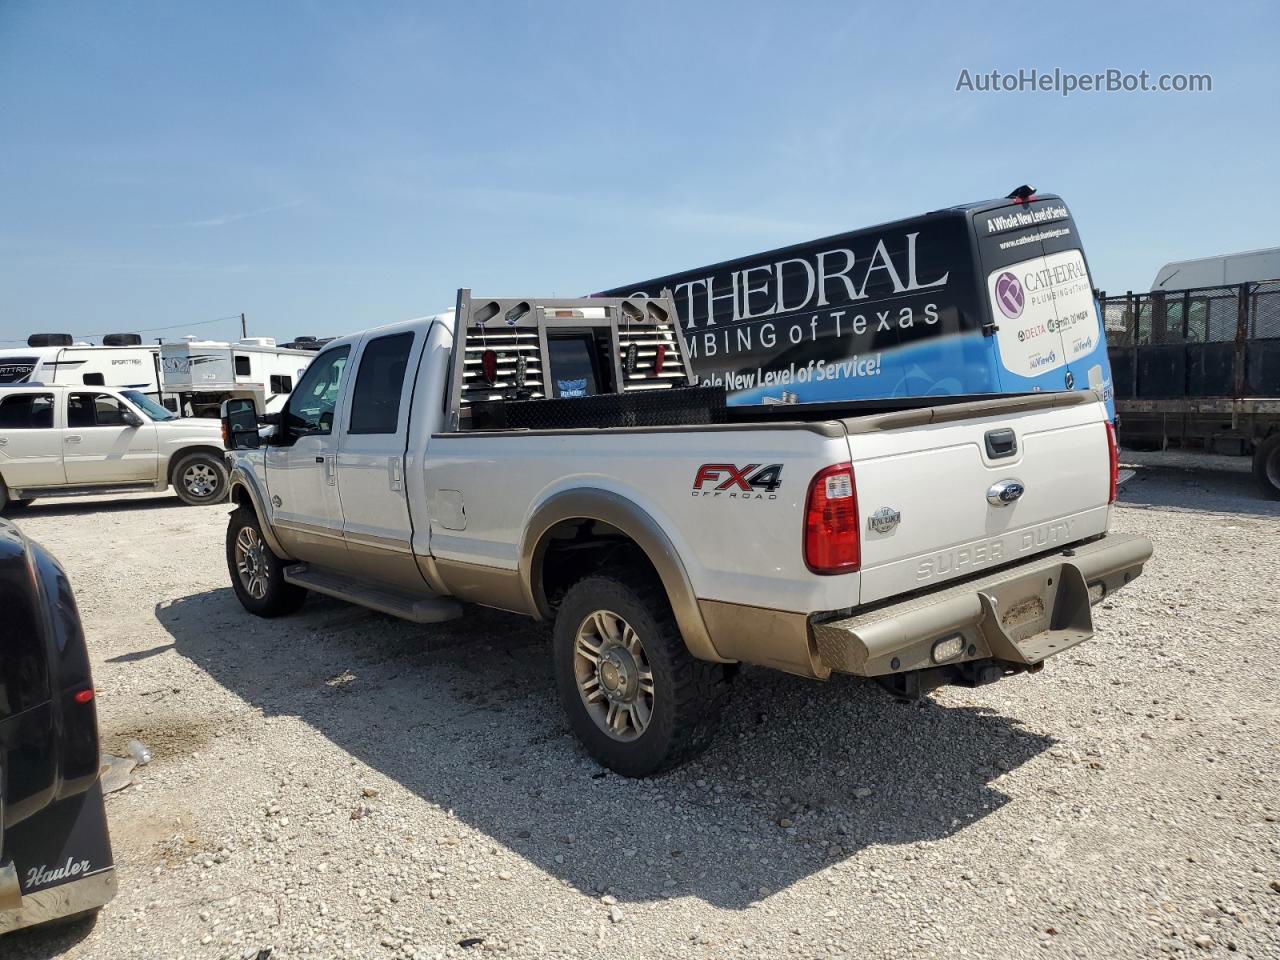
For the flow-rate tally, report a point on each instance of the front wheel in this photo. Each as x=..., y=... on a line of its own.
x=636, y=698
x=200, y=478
x=257, y=574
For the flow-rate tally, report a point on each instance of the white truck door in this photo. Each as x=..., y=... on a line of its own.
x=371, y=450
x=101, y=447
x=30, y=442
x=302, y=477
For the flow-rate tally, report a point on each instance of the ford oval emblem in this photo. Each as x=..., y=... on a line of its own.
x=1005, y=492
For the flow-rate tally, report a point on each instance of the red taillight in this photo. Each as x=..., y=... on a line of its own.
x=659, y=358
x=83, y=696
x=1113, y=452
x=489, y=366
x=831, y=541
x=226, y=436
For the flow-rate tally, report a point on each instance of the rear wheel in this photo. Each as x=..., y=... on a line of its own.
x=1266, y=466
x=200, y=478
x=635, y=697
x=257, y=574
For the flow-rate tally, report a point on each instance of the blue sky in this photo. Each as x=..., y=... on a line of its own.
x=324, y=166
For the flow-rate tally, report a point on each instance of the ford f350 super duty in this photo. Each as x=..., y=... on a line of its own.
x=549, y=457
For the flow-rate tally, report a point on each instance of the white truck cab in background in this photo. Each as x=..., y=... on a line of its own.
x=547, y=457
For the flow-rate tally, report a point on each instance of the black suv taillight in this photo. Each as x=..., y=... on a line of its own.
x=831, y=540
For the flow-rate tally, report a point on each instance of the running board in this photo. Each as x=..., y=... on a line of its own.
x=385, y=599
x=45, y=493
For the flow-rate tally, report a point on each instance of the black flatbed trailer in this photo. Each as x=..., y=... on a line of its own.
x=1200, y=368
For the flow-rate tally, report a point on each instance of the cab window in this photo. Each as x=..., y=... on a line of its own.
x=27, y=411
x=375, y=401
x=94, y=410
x=311, y=405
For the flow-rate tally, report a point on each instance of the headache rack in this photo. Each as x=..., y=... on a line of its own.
x=550, y=363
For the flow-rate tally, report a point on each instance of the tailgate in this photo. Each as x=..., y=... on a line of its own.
x=953, y=491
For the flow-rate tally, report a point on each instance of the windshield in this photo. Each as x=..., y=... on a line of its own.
x=148, y=406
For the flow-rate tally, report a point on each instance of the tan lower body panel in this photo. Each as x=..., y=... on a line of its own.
x=487, y=586
x=767, y=638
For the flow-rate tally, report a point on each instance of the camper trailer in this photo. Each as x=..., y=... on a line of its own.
x=197, y=375
x=190, y=377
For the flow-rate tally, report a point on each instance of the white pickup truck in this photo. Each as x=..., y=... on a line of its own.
x=550, y=458
x=64, y=441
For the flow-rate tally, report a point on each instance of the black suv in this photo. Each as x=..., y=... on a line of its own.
x=55, y=854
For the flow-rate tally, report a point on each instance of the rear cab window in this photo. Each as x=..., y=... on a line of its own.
x=26, y=411
x=375, y=401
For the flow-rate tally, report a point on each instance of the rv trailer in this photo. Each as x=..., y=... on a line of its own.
x=191, y=377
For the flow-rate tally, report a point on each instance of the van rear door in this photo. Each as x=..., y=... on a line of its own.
x=1040, y=298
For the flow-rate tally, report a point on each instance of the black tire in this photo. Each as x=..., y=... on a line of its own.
x=278, y=598
x=1266, y=466
x=200, y=479
x=688, y=695
x=5, y=502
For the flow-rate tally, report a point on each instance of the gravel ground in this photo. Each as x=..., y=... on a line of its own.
x=341, y=784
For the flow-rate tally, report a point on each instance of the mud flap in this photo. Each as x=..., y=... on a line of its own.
x=61, y=861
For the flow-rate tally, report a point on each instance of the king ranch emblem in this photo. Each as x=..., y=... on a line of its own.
x=751, y=482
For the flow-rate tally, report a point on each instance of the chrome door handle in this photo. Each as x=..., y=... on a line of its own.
x=331, y=469
x=3, y=441
x=397, y=474
x=73, y=439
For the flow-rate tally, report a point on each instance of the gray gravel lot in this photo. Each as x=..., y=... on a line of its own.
x=342, y=784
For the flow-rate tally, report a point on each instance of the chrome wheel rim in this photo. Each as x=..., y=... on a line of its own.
x=200, y=479
x=613, y=675
x=1273, y=468
x=251, y=562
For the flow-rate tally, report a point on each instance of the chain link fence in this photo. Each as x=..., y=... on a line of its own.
x=1206, y=341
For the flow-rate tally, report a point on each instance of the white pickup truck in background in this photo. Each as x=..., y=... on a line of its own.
x=548, y=457
x=67, y=441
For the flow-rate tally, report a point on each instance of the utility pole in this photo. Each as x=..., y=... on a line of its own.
x=244, y=335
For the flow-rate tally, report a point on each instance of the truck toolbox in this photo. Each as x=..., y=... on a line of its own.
x=1018, y=616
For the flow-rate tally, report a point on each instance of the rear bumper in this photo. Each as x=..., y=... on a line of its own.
x=1009, y=620
x=1017, y=617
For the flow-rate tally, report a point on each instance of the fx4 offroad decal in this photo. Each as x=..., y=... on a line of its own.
x=752, y=482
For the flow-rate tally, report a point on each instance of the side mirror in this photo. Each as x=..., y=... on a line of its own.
x=130, y=418
x=240, y=424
